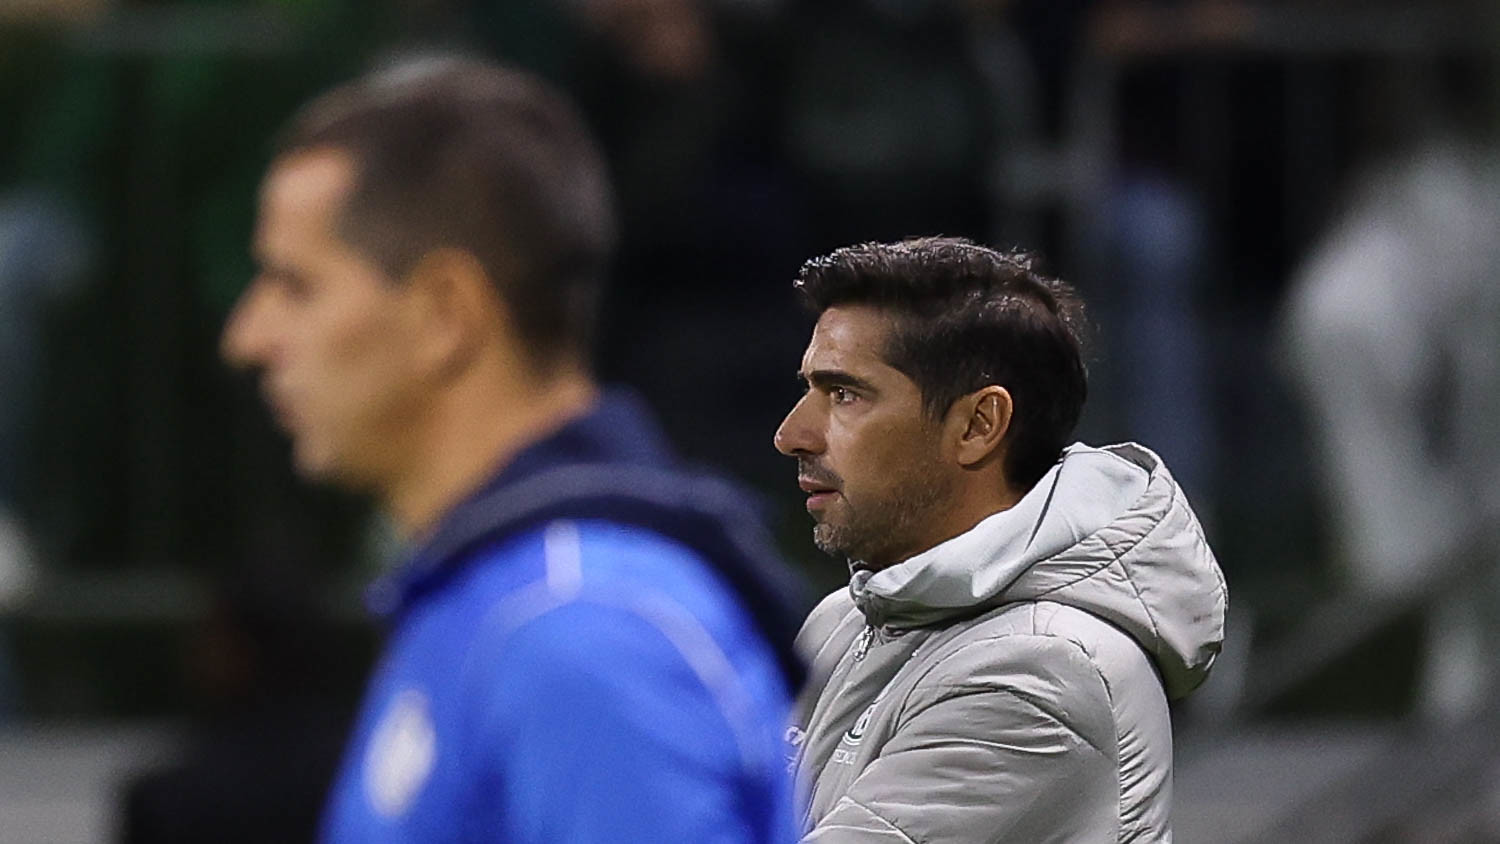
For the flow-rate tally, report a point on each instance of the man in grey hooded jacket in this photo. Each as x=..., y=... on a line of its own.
x=1020, y=610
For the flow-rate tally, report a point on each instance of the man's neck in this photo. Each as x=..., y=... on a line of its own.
x=981, y=503
x=960, y=515
x=473, y=436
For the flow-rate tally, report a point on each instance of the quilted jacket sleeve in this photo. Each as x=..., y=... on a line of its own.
x=1007, y=739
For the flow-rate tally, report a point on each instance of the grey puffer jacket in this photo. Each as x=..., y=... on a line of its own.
x=1011, y=684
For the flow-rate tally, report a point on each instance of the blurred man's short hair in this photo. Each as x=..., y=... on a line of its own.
x=458, y=153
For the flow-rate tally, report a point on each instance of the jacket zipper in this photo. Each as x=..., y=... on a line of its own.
x=862, y=647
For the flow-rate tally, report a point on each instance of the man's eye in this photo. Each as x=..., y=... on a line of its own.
x=841, y=395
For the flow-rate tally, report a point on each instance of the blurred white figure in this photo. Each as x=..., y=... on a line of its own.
x=1394, y=333
x=17, y=565
x=43, y=254
x=43, y=257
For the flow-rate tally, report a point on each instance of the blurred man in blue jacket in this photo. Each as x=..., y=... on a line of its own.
x=589, y=643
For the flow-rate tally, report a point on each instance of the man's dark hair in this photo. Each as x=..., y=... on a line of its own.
x=967, y=317
x=462, y=154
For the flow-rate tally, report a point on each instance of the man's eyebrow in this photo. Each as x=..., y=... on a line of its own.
x=825, y=379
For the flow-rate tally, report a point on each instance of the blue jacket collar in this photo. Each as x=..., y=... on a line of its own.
x=616, y=430
x=612, y=463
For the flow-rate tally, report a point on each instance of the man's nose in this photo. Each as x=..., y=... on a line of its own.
x=243, y=341
x=797, y=435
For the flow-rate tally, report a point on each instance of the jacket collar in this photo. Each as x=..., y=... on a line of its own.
x=612, y=464
x=616, y=431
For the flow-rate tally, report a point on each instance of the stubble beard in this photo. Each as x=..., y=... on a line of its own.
x=873, y=535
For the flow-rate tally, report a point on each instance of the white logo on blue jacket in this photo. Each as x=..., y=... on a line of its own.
x=401, y=754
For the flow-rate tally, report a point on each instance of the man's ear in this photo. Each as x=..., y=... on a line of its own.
x=979, y=422
x=453, y=306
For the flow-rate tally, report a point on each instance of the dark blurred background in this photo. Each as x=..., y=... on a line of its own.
x=1285, y=216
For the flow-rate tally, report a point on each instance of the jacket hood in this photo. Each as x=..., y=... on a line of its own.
x=1106, y=530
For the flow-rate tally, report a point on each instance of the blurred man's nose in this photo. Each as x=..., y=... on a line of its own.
x=797, y=435
x=243, y=341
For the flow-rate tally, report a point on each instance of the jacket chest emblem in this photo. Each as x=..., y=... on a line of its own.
x=855, y=734
x=400, y=755
x=845, y=754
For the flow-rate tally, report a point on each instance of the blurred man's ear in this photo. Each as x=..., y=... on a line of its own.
x=979, y=422
x=454, y=307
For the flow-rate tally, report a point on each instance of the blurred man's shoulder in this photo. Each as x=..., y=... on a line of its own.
x=603, y=567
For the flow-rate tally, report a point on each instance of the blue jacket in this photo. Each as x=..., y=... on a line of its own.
x=595, y=647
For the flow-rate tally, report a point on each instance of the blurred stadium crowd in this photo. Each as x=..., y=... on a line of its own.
x=1282, y=213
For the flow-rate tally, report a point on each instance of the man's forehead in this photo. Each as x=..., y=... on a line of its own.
x=302, y=194
x=850, y=345
x=851, y=334
x=314, y=180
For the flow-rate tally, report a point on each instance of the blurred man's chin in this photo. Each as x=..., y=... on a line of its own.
x=325, y=468
x=313, y=466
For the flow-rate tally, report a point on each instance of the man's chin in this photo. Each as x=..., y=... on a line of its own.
x=829, y=541
x=311, y=465
x=327, y=470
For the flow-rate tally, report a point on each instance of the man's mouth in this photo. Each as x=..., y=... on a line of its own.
x=819, y=493
x=820, y=484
